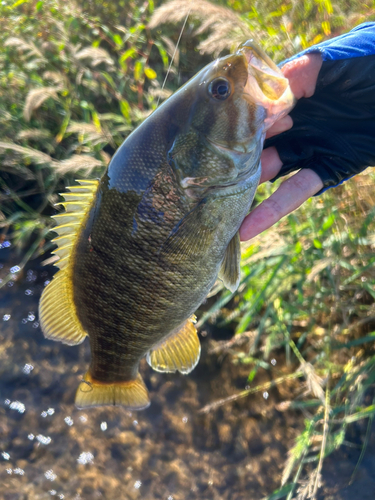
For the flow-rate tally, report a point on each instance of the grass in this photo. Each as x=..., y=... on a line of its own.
x=307, y=289
x=74, y=81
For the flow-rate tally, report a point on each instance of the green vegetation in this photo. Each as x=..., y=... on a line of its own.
x=75, y=79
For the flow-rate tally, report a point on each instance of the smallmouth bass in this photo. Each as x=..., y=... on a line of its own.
x=140, y=249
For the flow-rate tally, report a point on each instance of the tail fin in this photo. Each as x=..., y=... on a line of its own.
x=132, y=394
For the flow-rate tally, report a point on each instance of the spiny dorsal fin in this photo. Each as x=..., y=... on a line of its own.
x=132, y=394
x=179, y=352
x=230, y=268
x=57, y=312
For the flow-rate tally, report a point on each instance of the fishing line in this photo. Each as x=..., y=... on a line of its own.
x=174, y=53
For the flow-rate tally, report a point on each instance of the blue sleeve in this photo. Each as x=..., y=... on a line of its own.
x=359, y=42
x=333, y=130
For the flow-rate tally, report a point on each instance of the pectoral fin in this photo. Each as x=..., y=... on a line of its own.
x=195, y=230
x=230, y=268
x=179, y=352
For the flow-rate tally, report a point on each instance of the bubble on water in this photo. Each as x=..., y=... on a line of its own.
x=137, y=484
x=9, y=471
x=273, y=362
x=68, y=421
x=19, y=471
x=61, y=496
x=29, y=292
x=36, y=324
x=103, y=426
x=185, y=419
x=135, y=422
x=43, y=439
x=31, y=316
x=31, y=436
x=86, y=457
x=44, y=414
x=52, y=492
x=51, y=411
x=6, y=317
x=15, y=269
x=210, y=482
x=46, y=282
x=5, y=455
x=24, y=321
x=31, y=275
x=50, y=475
x=170, y=497
x=83, y=418
x=10, y=283
x=265, y=395
x=5, y=244
x=7, y=401
x=27, y=368
x=17, y=405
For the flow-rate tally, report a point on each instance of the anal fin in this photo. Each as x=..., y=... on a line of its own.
x=57, y=315
x=131, y=394
x=230, y=268
x=178, y=352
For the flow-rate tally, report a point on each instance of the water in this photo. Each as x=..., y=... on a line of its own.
x=49, y=449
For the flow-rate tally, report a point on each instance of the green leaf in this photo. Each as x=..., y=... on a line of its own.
x=298, y=247
x=138, y=66
x=125, y=109
x=365, y=413
x=317, y=243
x=150, y=73
x=18, y=3
x=252, y=374
x=131, y=53
x=95, y=119
x=328, y=222
x=38, y=6
x=118, y=40
x=278, y=494
x=163, y=54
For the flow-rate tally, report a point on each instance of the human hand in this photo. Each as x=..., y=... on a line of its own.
x=330, y=135
x=302, y=74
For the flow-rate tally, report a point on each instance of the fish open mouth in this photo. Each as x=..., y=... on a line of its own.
x=266, y=85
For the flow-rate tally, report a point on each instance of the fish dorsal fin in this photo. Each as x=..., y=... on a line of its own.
x=230, y=268
x=131, y=394
x=57, y=312
x=178, y=352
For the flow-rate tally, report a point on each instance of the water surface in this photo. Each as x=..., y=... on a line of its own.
x=49, y=449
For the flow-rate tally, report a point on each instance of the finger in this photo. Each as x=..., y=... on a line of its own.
x=302, y=74
x=289, y=196
x=281, y=125
x=271, y=164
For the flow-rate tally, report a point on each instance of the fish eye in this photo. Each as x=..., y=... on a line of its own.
x=219, y=89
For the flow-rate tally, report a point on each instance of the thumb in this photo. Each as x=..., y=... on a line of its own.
x=302, y=74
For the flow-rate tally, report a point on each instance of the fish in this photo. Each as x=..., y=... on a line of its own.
x=140, y=248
